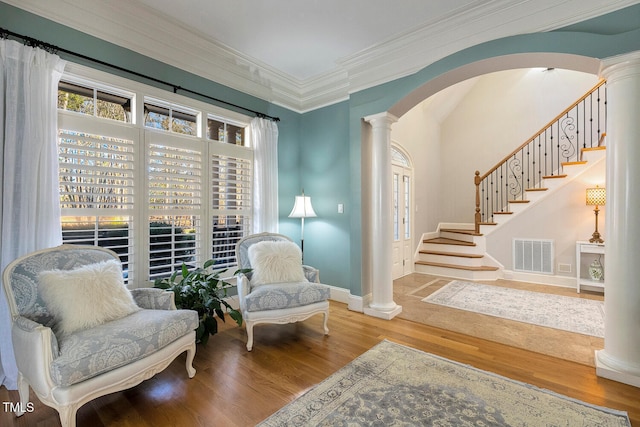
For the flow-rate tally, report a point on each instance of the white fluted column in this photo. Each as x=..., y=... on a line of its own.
x=620, y=359
x=381, y=219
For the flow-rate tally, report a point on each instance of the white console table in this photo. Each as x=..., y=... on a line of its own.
x=586, y=253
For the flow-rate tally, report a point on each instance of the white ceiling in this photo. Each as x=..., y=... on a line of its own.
x=305, y=38
x=304, y=54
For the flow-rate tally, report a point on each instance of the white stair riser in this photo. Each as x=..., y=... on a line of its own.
x=447, y=259
x=593, y=156
x=480, y=249
x=457, y=236
x=553, y=183
x=517, y=207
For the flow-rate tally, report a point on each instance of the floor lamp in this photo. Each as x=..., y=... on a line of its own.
x=302, y=209
x=596, y=197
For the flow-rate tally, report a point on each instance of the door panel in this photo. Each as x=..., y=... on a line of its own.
x=402, y=249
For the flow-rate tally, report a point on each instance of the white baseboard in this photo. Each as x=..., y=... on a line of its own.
x=542, y=279
x=340, y=294
x=357, y=303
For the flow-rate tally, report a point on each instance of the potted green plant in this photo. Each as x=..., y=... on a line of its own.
x=204, y=291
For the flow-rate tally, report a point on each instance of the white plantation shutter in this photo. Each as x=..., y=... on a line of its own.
x=155, y=189
x=97, y=185
x=175, y=206
x=231, y=203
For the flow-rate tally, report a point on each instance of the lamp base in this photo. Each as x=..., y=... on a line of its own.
x=595, y=238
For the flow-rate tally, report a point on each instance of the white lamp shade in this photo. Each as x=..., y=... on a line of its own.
x=302, y=208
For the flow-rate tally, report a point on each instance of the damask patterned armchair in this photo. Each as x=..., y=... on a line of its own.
x=68, y=364
x=279, y=289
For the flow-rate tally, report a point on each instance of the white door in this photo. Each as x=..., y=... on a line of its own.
x=402, y=245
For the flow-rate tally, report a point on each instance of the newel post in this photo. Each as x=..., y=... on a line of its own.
x=478, y=217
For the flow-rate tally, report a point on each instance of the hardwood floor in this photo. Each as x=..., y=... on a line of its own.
x=233, y=387
x=411, y=289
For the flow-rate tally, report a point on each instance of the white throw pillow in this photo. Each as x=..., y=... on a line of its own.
x=86, y=296
x=276, y=262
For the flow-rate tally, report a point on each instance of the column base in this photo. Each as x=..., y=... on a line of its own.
x=383, y=314
x=605, y=371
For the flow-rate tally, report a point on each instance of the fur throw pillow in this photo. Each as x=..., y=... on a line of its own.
x=86, y=296
x=276, y=262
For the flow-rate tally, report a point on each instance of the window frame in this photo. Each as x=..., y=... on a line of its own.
x=141, y=94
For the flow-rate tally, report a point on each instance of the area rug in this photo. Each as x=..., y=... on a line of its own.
x=395, y=385
x=583, y=316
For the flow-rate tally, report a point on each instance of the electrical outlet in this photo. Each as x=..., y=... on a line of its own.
x=340, y=208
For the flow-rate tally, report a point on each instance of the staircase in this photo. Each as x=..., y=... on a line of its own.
x=456, y=252
x=557, y=154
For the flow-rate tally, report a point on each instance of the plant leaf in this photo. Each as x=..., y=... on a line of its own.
x=211, y=325
x=185, y=271
x=237, y=316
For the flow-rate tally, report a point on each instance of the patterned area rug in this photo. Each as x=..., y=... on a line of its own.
x=583, y=316
x=396, y=385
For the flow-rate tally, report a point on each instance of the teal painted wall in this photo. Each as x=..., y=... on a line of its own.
x=320, y=150
x=325, y=176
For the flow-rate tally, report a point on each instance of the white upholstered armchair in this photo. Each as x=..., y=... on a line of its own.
x=279, y=289
x=79, y=334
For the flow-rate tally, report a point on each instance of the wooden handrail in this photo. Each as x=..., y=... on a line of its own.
x=548, y=125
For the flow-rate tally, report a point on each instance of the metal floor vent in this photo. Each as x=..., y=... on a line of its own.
x=533, y=255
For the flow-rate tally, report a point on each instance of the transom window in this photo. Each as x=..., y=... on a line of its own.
x=170, y=118
x=225, y=131
x=94, y=102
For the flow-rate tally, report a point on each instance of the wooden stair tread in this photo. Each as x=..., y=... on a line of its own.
x=582, y=162
x=454, y=254
x=536, y=189
x=554, y=176
x=445, y=241
x=488, y=223
x=602, y=147
x=503, y=213
x=458, y=267
x=518, y=201
x=461, y=231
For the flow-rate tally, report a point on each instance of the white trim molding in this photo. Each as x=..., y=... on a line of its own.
x=141, y=29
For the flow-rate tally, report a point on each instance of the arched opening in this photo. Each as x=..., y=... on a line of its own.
x=375, y=143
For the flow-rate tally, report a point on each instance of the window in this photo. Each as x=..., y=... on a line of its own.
x=175, y=182
x=231, y=205
x=97, y=186
x=170, y=118
x=221, y=131
x=94, y=102
x=155, y=193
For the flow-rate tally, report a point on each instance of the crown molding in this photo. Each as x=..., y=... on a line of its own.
x=143, y=30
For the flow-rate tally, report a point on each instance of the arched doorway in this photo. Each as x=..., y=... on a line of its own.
x=376, y=143
x=402, y=202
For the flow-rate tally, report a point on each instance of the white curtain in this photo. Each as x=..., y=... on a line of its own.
x=264, y=136
x=29, y=194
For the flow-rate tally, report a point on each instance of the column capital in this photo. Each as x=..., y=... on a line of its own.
x=621, y=65
x=381, y=119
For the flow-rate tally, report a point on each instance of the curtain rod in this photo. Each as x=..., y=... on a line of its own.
x=29, y=41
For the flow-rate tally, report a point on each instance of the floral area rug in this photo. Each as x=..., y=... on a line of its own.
x=583, y=316
x=394, y=385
